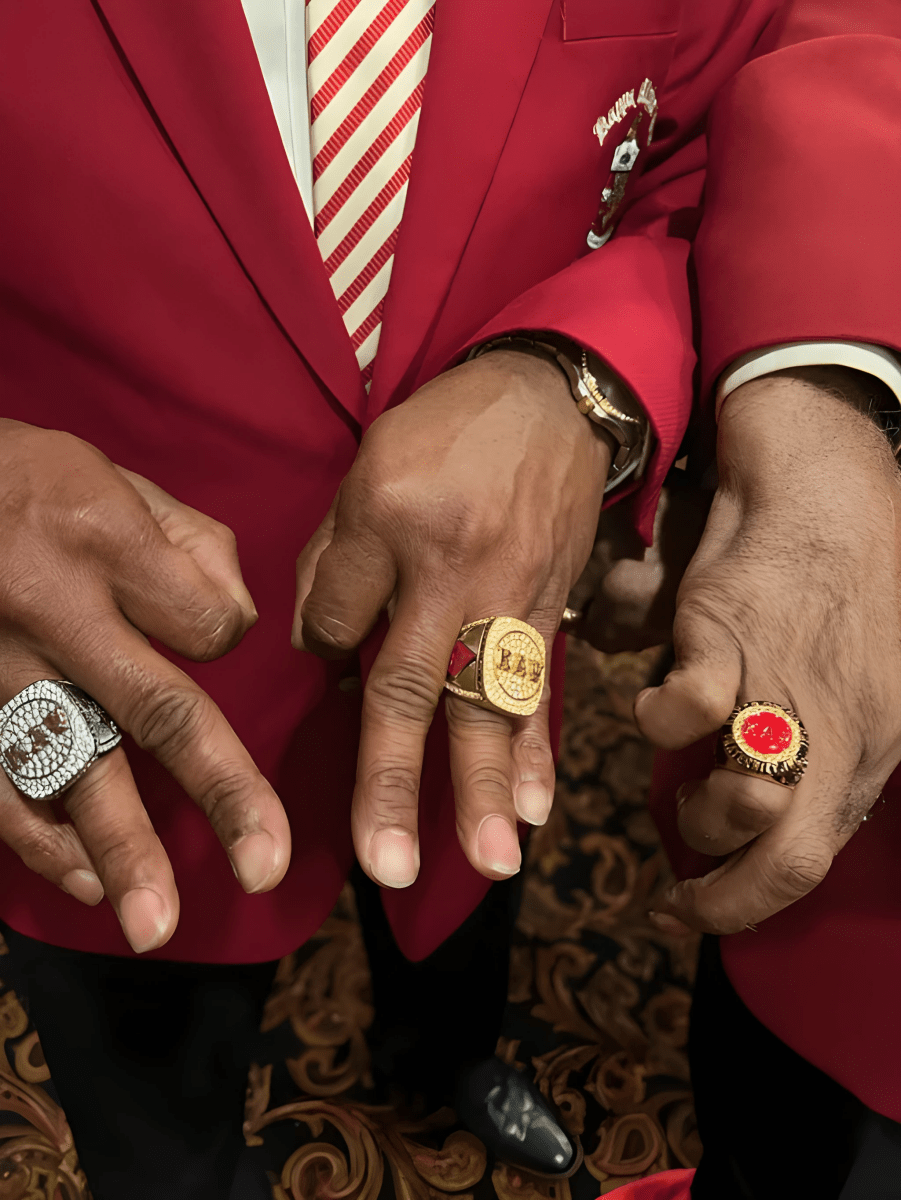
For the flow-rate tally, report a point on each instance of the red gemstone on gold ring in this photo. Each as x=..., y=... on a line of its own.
x=461, y=657
x=766, y=733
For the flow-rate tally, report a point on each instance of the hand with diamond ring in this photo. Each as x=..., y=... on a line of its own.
x=478, y=496
x=95, y=561
x=791, y=599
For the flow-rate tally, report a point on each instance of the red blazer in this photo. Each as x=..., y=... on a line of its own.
x=163, y=298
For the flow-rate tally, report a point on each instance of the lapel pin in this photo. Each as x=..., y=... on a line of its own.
x=644, y=105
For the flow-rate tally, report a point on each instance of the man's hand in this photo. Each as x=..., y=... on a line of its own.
x=95, y=558
x=477, y=497
x=794, y=596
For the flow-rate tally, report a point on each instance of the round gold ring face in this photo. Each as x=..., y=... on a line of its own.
x=766, y=739
x=513, y=666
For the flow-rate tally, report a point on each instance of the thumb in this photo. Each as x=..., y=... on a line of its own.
x=211, y=544
x=307, y=562
x=700, y=691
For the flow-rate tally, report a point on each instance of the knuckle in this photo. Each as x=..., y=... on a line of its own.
x=545, y=617
x=799, y=871
x=396, y=780
x=29, y=597
x=107, y=524
x=711, y=702
x=469, y=720
x=117, y=857
x=171, y=721
x=39, y=846
x=329, y=632
x=405, y=694
x=215, y=629
x=532, y=747
x=469, y=534
x=223, y=534
x=756, y=811
x=226, y=798
x=489, y=779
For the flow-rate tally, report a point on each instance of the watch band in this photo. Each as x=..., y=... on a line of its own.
x=607, y=404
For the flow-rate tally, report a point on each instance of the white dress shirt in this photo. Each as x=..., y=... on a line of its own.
x=279, y=32
x=278, y=29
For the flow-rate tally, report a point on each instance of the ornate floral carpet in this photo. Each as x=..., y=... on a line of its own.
x=598, y=1011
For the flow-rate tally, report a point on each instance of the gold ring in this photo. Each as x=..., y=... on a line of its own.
x=765, y=739
x=498, y=663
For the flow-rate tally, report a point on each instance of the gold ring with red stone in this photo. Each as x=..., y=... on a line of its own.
x=765, y=739
x=498, y=663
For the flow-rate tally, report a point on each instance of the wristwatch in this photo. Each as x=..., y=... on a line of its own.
x=597, y=391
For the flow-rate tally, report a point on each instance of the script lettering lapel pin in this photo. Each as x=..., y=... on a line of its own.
x=644, y=107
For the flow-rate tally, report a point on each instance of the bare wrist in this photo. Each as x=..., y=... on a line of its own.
x=801, y=437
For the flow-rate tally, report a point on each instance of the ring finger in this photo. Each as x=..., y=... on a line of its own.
x=110, y=845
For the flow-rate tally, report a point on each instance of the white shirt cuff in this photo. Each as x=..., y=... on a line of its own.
x=860, y=356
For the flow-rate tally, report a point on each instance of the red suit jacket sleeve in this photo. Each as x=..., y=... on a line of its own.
x=801, y=239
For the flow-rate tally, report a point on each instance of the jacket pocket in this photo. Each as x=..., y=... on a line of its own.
x=583, y=19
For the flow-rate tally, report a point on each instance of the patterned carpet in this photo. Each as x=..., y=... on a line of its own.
x=598, y=1010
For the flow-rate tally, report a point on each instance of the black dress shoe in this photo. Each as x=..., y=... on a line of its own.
x=507, y=1112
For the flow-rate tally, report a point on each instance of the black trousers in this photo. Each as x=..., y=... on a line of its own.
x=773, y=1126
x=149, y=1059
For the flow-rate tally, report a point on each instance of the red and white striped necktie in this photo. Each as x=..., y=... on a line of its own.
x=367, y=61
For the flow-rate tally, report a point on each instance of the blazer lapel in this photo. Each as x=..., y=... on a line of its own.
x=480, y=60
x=195, y=63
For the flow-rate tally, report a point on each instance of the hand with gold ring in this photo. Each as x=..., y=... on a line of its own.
x=787, y=642
x=468, y=515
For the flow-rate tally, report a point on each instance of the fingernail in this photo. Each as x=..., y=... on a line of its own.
x=681, y=795
x=84, y=886
x=532, y=802
x=499, y=846
x=254, y=861
x=393, y=858
x=145, y=919
x=667, y=924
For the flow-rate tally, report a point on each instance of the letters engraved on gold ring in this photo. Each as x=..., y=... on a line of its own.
x=498, y=663
x=764, y=739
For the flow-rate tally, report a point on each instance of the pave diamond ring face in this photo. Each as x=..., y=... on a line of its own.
x=51, y=733
x=766, y=739
x=498, y=663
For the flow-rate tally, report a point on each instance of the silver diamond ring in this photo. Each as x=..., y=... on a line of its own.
x=50, y=735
